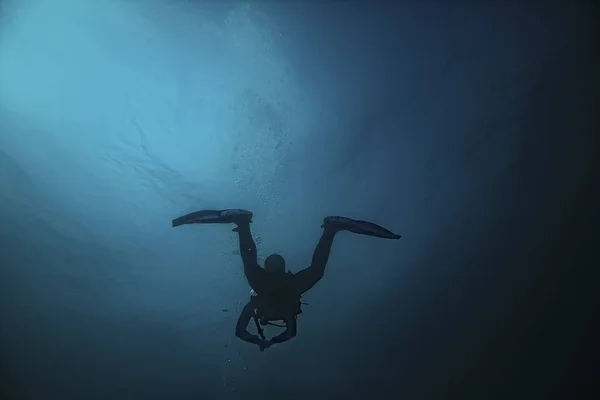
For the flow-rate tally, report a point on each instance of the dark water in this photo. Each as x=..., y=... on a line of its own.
x=469, y=129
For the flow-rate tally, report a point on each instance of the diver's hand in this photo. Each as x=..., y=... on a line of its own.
x=264, y=344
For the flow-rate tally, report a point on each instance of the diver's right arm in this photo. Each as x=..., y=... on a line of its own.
x=289, y=333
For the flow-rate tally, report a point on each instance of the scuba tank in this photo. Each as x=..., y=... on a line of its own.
x=276, y=307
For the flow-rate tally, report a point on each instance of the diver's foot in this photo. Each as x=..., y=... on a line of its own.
x=337, y=223
x=356, y=226
x=237, y=216
x=242, y=219
x=214, y=217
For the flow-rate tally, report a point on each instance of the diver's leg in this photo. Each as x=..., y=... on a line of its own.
x=308, y=277
x=247, y=246
x=322, y=251
x=254, y=273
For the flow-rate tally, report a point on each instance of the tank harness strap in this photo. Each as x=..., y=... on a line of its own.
x=258, y=328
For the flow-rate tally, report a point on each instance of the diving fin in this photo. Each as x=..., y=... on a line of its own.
x=360, y=227
x=213, y=217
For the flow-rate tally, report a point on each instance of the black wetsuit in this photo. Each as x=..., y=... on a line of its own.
x=268, y=285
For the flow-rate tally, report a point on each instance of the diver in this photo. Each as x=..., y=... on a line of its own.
x=276, y=294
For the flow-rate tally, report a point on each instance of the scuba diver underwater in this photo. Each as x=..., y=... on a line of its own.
x=276, y=294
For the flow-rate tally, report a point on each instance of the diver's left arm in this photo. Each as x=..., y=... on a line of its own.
x=289, y=333
x=241, y=329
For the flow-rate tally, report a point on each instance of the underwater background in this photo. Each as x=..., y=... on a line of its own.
x=467, y=128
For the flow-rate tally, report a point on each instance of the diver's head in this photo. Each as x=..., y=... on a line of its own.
x=275, y=264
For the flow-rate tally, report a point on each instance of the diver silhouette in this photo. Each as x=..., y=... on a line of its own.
x=276, y=294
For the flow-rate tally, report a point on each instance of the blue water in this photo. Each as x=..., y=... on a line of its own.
x=461, y=127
